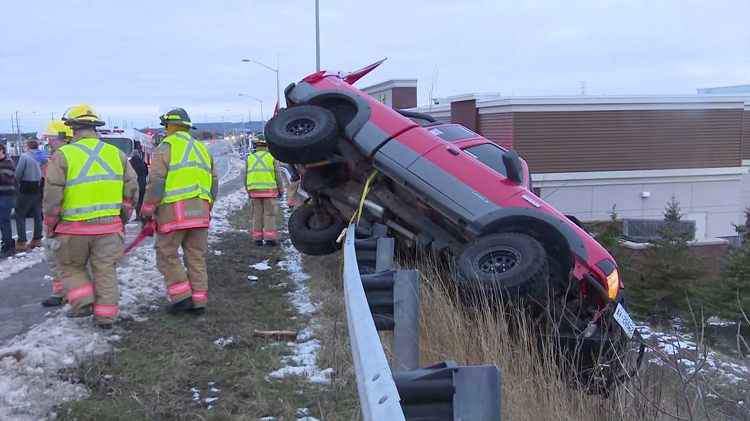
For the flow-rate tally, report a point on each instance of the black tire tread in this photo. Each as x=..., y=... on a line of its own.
x=315, y=146
x=308, y=241
x=529, y=281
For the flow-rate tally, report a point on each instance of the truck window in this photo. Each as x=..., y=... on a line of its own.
x=452, y=133
x=489, y=155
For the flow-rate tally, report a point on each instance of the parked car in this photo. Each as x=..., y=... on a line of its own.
x=443, y=188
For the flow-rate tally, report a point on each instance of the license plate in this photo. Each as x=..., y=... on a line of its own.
x=623, y=319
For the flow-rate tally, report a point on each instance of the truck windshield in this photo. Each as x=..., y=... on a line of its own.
x=122, y=143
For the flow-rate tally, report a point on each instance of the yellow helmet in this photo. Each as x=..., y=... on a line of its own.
x=82, y=115
x=57, y=129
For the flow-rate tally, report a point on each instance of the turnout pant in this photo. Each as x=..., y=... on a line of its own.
x=102, y=252
x=264, y=218
x=291, y=193
x=58, y=290
x=26, y=202
x=183, y=284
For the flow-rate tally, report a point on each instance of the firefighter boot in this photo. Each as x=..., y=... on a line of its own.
x=179, y=306
x=54, y=302
x=85, y=311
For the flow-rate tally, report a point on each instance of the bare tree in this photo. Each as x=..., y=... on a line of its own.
x=431, y=86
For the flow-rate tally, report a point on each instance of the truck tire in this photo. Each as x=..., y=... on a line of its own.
x=310, y=239
x=302, y=134
x=511, y=264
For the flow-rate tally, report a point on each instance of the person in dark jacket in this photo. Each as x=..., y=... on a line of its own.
x=7, y=196
x=141, y=169
x=29, y=177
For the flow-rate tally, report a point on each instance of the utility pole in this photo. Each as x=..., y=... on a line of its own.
x=317, y=35
x=18, y=140
x=53, y=116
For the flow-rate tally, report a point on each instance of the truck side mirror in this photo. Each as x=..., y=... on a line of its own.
x=513, y=166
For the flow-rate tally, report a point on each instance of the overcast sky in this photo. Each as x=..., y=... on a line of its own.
x=129, y=59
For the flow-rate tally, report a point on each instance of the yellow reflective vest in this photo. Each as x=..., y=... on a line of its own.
x=260, y=172
x=94, y=182
x=189, y=173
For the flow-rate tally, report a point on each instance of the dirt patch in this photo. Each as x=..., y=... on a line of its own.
x=187, y=368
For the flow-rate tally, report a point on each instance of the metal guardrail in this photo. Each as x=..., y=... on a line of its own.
x=385, y=299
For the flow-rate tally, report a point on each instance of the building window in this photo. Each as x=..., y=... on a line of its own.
x=538, y=191
x=381, y=98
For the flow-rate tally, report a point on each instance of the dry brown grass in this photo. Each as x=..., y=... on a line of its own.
x=532, y=387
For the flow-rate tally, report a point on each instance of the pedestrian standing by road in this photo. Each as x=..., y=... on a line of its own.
x=180, y=194
x=89, y=194
x=141, y=169
x=264, y=188
x=29, y=178
x=57, y=134
x=7, y=194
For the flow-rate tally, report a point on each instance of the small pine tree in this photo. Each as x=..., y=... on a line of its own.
x=611, y=235
x=670, y=265
x=736, y=280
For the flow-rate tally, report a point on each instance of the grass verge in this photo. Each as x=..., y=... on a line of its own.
x=172, y=368
x=532, y=386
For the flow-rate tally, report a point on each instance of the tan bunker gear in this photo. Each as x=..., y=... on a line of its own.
x=264, y=185
x=89, y=193
x=180, y=193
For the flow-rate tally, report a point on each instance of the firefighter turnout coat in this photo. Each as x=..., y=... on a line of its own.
x=180, y=194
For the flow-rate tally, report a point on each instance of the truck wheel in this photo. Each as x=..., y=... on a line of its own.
x=302, y=134
x=313, y=235
x=506, y=263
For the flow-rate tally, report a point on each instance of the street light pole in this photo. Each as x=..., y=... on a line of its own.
x=317, y=36
x=262, y=118
x=276, y=70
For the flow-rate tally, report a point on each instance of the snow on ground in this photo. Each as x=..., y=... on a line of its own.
x=683, y=349
x=235, y=166
x=261, y=265
x=303, y=361
x=20, y=261
x=221, y=212
x=29, y=363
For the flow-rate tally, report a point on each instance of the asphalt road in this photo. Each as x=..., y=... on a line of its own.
x=23, y=292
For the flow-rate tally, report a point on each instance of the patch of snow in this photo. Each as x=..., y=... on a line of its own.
x=303, y=361
x=686, y=352
x=29, y=363
x=222, y=342
x=196, y=394
x=267, y=419
x=210, y=400
x=252, y=278
x=235, y=165
x=307, y=419
x=223, y=209
x=302, y=411
x=261, y=265
x=21, y=261
x=217, y=253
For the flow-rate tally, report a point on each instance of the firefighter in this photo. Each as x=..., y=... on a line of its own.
x=264, y=188
x=90, y=190
x=181, y=190
x=57, y=134
x=294, y=182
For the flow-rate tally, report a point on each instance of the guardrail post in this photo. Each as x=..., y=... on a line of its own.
x=406, y=321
